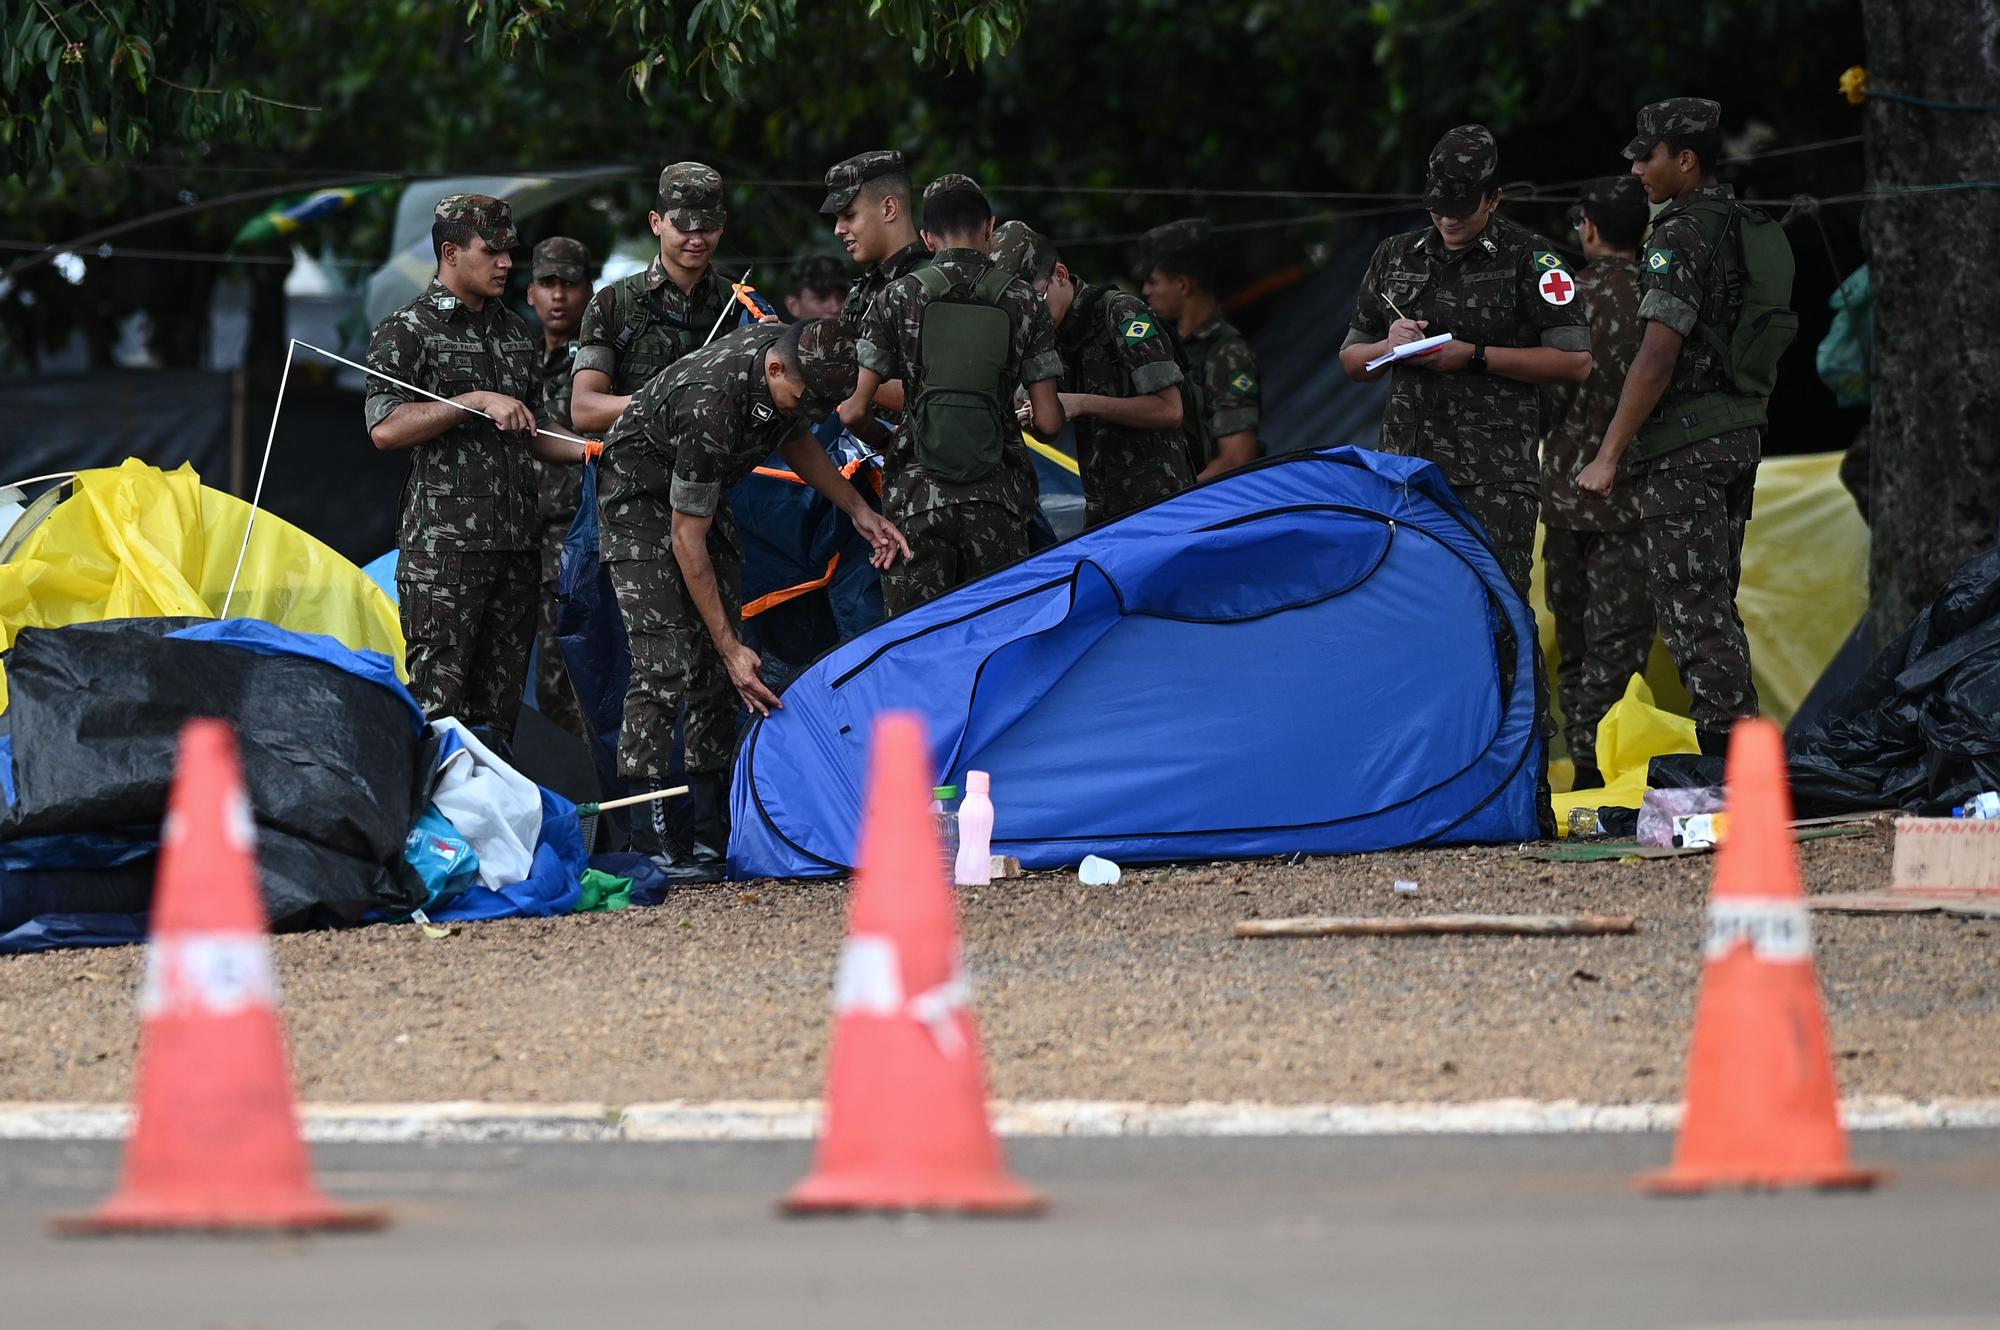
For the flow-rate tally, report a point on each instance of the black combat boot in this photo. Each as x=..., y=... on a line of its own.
x=702, y=854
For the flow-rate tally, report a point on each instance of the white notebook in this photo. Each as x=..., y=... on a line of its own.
x=1409, y=350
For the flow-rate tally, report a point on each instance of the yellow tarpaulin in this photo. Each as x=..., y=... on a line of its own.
x=137, y=542
x=1805, y=586
x=1630, y=736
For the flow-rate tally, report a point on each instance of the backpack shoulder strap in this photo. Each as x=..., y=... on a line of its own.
x=934, y=281
x=638, y=314
x=995, y=283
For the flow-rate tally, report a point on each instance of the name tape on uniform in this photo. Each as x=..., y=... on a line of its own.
x=1773, y=928
x=207, y=974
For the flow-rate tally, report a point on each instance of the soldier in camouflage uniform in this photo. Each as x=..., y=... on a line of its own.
x=675, y=557
x=559, y=285
x=637, y=326
x=1593, y=557
x=1474, y=405
x=466, y=539
x=1179, y=272
x=872, y=202
x=1694, y=501
x=957, y=531
x=1120, y=382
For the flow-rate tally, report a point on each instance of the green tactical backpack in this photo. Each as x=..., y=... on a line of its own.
x=1757, y=328
x=1196, y=437
x=960, y=419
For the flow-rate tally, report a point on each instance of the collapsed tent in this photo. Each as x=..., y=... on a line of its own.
x=1306, y=655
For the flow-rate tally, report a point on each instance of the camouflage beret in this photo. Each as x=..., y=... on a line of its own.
x=1463, y=160
x=845, y=179
x=826, y=362
x=952, y=184
x=1674, y=116
x=490, y=218
x=691, y=197
x=1024, y=251
x=562, y=258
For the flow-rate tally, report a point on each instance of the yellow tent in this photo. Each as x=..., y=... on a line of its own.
x=137, y=542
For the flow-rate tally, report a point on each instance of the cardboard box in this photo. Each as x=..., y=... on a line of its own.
x=1944, y=856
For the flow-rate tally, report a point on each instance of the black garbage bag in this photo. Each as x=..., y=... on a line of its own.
x=332, y=761
x=1920, y=729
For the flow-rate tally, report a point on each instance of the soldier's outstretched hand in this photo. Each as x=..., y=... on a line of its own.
x=883, y=537
x=746, y=672
x=508, y=414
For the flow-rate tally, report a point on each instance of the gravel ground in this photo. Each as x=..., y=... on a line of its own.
x=1130, y=992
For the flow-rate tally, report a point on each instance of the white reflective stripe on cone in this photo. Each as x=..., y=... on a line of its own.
x=870, y=982
x=1775, y=928
x=207, y=974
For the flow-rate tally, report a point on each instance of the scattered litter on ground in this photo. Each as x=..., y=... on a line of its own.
x=1096, y=872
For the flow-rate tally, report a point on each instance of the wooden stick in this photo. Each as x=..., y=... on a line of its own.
x=631, y=799
x=1431, y=925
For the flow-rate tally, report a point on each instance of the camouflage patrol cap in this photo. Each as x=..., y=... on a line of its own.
x=561, y=258
x=1463, y=160
x=1177, y=237
x=845, y=179
x=490, y=218
x=691, y=197
x=1027, y=253
x=817, y=272
x=953, y=183
x=1614, y=191
x=826, y=362
x=1674, y=116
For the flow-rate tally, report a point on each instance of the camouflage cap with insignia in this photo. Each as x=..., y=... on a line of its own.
x=826, y=362
x=560, y=257
x=1676, y=116
x=490, y=218
x=1460, y=165
x=691, y=197
x=845, y=179
x=1024, y=251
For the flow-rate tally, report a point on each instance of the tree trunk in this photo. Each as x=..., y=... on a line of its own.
x=1935, y=430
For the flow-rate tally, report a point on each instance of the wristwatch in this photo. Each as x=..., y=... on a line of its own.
x=1478, y=362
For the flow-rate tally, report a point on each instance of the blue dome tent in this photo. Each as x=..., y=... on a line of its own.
x=1302, y=656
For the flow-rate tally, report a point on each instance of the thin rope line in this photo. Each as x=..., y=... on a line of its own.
x=257, y=496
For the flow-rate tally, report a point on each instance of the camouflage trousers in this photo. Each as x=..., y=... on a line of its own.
x=1115, y=481
x=1694, y=519
x=1509, y=513
x=555, y=696
x=674, y=666
x=1595, y=583
x=950, y=546
x=468, y=618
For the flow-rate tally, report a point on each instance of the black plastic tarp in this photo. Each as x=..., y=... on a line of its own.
x=1920, y=730
x=332, y=762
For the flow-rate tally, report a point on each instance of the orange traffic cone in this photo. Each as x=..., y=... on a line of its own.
x=216, y=1144
x=1762, y=1105
x=906, y=1125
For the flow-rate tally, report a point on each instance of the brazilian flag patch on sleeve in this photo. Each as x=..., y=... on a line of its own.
x=1243, y=384
x=1548, y=259
x=1659, y=260
x=1137, y=330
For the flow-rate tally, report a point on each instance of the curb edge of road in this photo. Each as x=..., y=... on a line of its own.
x=798, y=1119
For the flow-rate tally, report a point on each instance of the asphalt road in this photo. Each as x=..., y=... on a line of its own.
x=1462, y=1232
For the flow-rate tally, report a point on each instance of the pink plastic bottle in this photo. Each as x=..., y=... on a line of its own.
x=975, y=832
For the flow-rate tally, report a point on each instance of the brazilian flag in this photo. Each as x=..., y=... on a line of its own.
x=290, y=216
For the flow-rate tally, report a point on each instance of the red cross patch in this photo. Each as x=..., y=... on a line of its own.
x=1557, y=287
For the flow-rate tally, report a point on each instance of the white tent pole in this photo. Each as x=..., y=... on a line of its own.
x=258, y=495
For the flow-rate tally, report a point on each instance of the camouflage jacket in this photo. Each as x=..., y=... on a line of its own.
x=638, y=325
x=1684, y=286
x=687, y=438
x=472, y=487
x=1112, y=345
x=1501, y=290
x=558, y=486
x=870, y=284
x=1581, y=412
x=889, y=345
x=1221, y=358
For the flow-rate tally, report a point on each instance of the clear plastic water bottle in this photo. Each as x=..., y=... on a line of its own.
x=1982, y=807
x=975, y=832
x=942, y=799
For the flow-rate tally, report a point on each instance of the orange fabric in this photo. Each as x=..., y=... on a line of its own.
x=775, y=598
